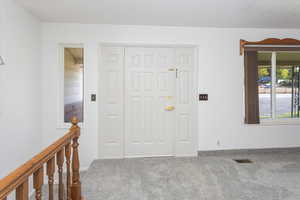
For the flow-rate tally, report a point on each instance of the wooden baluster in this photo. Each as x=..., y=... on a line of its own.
x=50, y=174
x=76, y=184
x=60, y=162
x=68, y=157
x=38, y=181
x=22, y=191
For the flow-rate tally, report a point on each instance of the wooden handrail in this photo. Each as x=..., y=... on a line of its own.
x=20, y=176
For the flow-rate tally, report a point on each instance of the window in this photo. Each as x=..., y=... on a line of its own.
x=73, y=83
x=271, y=72
x=278, y=84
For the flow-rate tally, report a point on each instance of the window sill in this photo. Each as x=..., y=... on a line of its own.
x=279, y=122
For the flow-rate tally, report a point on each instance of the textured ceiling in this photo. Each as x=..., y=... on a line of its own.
x=199, y=13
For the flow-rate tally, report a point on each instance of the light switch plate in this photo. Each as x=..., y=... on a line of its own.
x=203, y=97
x=93, y=97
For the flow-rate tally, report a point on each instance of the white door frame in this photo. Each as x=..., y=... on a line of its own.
x=194, y=91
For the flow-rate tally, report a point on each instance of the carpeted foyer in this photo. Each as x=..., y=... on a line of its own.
x=271, y=176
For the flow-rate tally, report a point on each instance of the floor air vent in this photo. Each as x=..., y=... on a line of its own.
x=242, y=161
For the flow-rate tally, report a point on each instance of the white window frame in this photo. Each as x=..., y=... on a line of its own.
x=61, y=124
x=273, y=120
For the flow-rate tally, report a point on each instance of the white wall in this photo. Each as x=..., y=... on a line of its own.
x=20, y=91
x=220, y=72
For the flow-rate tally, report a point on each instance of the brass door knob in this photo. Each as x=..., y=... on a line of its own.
x=169, y=108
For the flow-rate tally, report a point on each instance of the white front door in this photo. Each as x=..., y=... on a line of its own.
x=147, y=104
x=149, y=97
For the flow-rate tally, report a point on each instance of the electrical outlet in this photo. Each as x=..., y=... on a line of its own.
x=1, y=61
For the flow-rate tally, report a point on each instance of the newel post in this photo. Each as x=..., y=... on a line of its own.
x=76, y=184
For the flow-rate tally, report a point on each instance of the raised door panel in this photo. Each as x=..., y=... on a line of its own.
x=111, y=89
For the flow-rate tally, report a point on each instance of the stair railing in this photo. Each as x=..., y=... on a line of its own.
x=62, y=150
